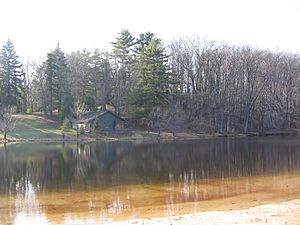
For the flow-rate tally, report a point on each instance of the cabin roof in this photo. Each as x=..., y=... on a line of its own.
x=90, y=116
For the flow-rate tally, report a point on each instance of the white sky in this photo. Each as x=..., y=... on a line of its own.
x=36, y=26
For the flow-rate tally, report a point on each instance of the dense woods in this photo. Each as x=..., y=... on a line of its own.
x=189, y=84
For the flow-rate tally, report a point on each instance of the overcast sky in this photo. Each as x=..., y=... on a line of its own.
x=36, y=26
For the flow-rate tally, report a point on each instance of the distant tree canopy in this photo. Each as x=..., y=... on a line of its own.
x=188, y=84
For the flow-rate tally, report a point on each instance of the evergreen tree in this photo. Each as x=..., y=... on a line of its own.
x=143, y=41
x=105, y=82
x=51, y=80
x=57, y=84
x=11, y=77
x=101, y=70
x=123, y=59
x=154, y=80
x=97, y=76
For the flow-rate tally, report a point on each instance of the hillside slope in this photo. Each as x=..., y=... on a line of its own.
x=35, y=126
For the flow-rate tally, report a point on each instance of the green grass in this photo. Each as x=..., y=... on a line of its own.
x=37, y=127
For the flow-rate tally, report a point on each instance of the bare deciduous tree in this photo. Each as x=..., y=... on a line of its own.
x=79, y=110
x=7, y=121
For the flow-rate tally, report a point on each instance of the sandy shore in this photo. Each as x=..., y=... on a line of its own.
x=287, y=213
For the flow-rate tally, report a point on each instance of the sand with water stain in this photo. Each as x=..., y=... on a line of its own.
x=275, y=214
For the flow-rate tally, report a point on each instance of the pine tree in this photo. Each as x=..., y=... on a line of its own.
x=105, y=82
x=11, y=77
x=154, y=79
x=57, y=84
x=51, y=69
x=123, y=56
x=143, y=41
x=101, y=71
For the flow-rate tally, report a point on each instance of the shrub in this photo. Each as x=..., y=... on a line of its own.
x=66, y=124
x=81, y=130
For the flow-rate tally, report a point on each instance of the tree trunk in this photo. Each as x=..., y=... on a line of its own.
x=51, y=103
x=246, y=124
x=104, y=106
x=222, y=122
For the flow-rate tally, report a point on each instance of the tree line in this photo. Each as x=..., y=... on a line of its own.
x=191, y=84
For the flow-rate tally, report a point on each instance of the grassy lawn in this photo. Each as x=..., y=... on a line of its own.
x=37, y=127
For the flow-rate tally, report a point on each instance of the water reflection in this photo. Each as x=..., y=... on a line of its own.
x=27, y=206
x=52, y=167
x=101, y=181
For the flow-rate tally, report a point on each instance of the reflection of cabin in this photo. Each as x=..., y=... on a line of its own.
x=101, y=121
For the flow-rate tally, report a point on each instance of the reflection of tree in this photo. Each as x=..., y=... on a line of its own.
x=83, y=158
x=23, y=207
x=28, y=210
x=8, y=169
x=108, y=164
x=6, y=161
x=205, y=159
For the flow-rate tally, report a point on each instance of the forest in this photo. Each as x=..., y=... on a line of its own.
x=188, y=84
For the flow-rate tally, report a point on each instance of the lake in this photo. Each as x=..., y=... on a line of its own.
x=101, y=182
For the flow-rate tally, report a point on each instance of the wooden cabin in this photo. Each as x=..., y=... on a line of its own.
x=102, y=121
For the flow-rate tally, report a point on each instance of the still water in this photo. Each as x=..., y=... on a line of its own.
x=100, y=182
